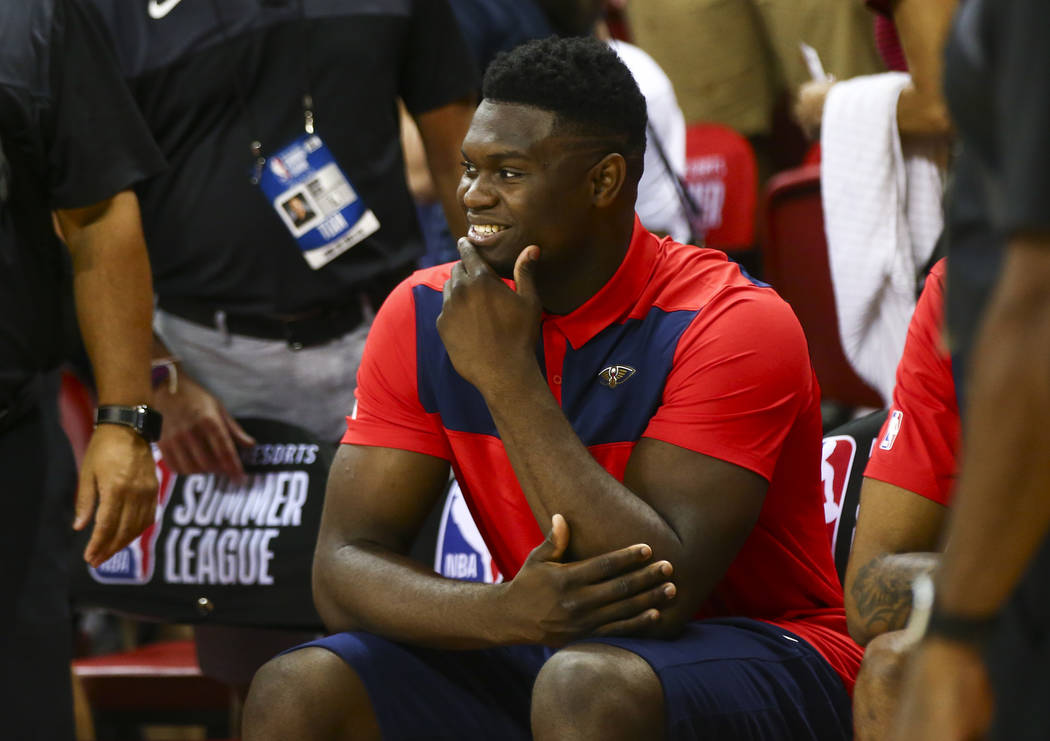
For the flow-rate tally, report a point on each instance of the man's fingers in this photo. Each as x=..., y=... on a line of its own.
x=197, y=451
x=240, y=437
x=524, y=280
x=658, y=597
x=472, y=261
x=220, y=442
x=171, y=452
x=628, y=585
x=630, y=626
x=106, y=522
x=555, y=544
x=85, y=501
x=608, y=565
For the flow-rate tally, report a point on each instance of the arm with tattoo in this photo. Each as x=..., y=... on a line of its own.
x=897, y=532
x=881, y=592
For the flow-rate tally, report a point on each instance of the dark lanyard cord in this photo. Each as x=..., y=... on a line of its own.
x=255, y=145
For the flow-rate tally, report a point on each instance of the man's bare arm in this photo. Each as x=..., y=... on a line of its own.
x=442, y=131
x=1001, y=510
x=114, y=299
x=923, y=29
x=376, y=502
x=896, y=529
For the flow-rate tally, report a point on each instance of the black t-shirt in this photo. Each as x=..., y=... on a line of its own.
x=997, y=82
x=70, y=136
x=210, y=77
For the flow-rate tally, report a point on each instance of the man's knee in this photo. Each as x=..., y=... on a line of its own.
x=877, y=692
x=885, y=658
x=596, y=691
x=310, y=693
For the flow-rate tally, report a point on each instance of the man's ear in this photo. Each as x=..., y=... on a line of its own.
x=607, y=178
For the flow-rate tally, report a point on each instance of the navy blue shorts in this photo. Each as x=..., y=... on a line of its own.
x=723, y=679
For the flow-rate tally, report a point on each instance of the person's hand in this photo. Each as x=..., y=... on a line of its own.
x=119, y=475
x=616, y=593
x=489, y=330
x=945, y=696
x=809, y=105
x=198, y=434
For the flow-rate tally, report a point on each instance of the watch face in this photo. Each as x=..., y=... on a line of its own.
x=150, y=423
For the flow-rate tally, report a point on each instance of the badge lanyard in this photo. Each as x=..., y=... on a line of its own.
x=255, y=146
x=304, y=184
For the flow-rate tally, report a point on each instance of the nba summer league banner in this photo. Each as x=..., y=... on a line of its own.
x=221, y=550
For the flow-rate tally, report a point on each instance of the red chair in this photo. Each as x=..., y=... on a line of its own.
x=795, y=261
x=160, y=683
x=722, y=177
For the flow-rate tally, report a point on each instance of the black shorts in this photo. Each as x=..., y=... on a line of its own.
x=722, y=679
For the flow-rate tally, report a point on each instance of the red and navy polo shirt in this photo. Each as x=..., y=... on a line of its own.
x=717, y=364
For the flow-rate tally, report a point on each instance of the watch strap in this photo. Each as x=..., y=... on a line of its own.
x=145, y=421
x=974, y=631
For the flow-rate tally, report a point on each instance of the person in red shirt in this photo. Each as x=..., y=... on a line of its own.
x=642, y=401
x=903, y=509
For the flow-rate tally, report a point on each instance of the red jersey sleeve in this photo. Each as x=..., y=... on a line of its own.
x=917, y=446
x=740, y=377
x=387, y=411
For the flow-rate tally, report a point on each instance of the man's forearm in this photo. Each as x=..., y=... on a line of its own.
x=879, y=598
x=417, y=606
x=1001, y=508
x=114, y=297
x=442, y=132
x=559, y=476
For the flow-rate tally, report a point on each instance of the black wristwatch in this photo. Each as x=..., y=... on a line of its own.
x=927, y=619
x=141, y=419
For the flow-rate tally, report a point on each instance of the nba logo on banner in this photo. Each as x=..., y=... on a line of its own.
x=134, y=564
x=836, y=463
x=461, y=552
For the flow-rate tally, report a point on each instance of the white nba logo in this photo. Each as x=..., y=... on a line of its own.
x=891, y=430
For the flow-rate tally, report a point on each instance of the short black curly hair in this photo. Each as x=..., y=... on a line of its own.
x=583, y=82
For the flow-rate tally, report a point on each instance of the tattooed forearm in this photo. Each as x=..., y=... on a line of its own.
x=882, y=590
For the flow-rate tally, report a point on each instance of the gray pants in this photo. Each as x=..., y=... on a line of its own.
x=312, y=388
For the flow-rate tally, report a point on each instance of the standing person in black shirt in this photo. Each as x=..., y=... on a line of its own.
x=984, y=664
x=261, y=311
x=71, y=142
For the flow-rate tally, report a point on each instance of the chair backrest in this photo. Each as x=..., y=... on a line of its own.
x=795, y=262
x=842, y=461
x=722, y=177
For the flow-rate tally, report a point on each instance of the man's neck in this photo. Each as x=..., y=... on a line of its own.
x=575, y=284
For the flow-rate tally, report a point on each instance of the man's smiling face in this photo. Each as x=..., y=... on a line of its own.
x=524, y=184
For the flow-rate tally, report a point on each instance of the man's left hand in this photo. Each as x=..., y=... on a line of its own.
x=489, y=330
x=119, y=475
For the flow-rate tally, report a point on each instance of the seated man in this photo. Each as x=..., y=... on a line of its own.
x=640, y=400
x=903, y=509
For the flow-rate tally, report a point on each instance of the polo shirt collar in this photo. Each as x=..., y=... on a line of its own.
x=618, y=297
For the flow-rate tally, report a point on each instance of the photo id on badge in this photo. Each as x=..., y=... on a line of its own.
x=316, y=201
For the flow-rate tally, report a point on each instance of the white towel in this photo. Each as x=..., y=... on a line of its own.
x=882, y=217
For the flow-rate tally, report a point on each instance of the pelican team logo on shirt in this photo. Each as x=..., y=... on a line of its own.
x=614, y=375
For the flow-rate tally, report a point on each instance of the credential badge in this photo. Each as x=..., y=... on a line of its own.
x=614, y=375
